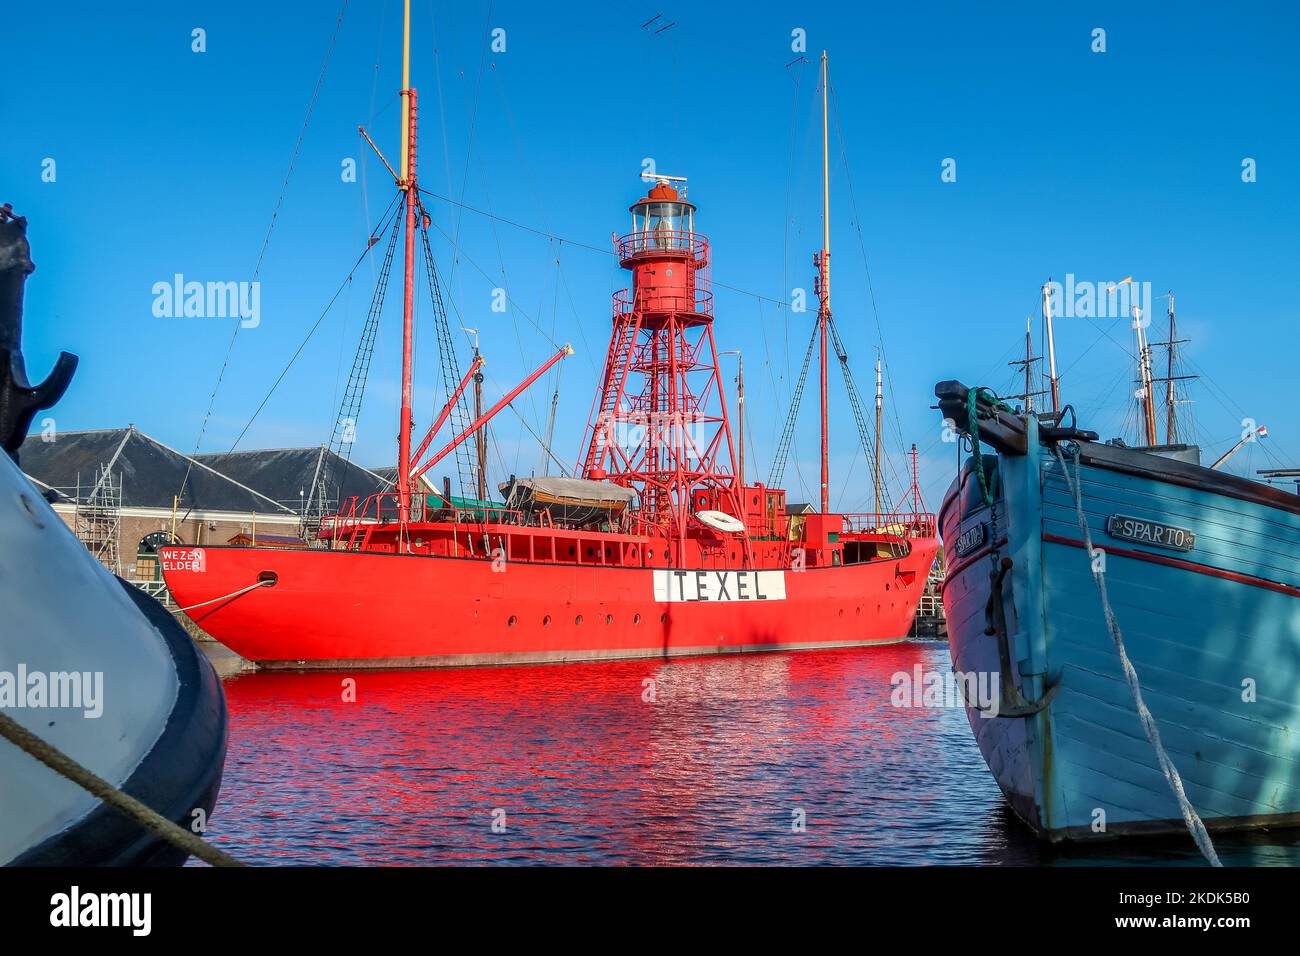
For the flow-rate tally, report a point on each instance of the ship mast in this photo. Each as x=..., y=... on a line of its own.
x=880, y=402
x=1147, y=400
x=1029, y=359
x=823, y=263
x=1054, y=383
x=1027, y=363
x=1169, y=378
x=1171, y=393
x=408, y=185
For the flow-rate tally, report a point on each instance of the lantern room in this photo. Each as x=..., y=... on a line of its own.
x=665, y=256
x=663, y=223
x=663, y=219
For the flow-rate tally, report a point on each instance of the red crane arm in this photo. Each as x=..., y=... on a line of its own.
x=488, y=415
x=446, y=409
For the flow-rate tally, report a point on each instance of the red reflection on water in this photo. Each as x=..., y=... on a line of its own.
x=690, y=760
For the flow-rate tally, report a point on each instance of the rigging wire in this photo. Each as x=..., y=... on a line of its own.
x=577, y=244
x=460, y=252
x=266, y=240
x=785, y=220
x=347, y=281
x=453, y=280
x=1224, y=398
x=866, y=266
x=776, y=471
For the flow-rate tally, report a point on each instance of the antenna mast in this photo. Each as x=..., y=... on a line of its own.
x=823, y=262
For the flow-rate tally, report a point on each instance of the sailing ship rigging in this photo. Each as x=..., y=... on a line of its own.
x=657, y=546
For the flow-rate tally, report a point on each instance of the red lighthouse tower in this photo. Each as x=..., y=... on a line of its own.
x=659, y=423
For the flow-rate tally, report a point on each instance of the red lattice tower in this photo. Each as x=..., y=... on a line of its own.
x=659, y=423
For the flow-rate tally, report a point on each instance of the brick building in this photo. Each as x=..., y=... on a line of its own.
x=125, y=493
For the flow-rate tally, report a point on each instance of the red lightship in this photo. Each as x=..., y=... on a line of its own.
x=656, y=547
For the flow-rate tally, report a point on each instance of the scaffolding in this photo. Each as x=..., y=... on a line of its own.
x=97, y=519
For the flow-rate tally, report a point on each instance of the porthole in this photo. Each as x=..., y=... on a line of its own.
x=609, y=618
x=546, y=621
x=636, y=618
x=663, y=618
x=578, y=620
x=513, y=620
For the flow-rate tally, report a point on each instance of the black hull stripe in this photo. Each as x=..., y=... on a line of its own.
x=180, y=774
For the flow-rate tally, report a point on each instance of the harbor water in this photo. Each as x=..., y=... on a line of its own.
x=798, y=759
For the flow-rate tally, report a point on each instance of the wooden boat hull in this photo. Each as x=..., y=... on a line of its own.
x=1213, y=633
x=348, y=609
x=101, y=671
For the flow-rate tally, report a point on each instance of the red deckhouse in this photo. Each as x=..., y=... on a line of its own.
x=655, y=547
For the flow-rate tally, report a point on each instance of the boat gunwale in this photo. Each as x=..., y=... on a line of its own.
x=555, y=564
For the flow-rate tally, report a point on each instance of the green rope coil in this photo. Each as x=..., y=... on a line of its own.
x=973, y=396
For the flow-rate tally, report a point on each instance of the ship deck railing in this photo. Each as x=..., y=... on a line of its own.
x=893, y=524
x=358, y=514
x=661, y=242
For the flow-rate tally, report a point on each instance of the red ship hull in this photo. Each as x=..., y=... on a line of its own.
x=349, y=609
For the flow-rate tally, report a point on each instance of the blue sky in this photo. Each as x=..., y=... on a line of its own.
x=1100, y=165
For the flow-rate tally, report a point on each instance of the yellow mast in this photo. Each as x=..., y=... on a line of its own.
x=824, y=306
x=406, y=85
x=408, y=281
x=826, y=182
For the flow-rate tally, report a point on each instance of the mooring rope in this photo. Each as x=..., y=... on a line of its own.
x=251, y=587
x=973, y=395
x=1195, y=826
x=120, y=801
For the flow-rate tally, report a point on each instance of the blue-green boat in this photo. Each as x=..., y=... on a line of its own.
x=1201, y=570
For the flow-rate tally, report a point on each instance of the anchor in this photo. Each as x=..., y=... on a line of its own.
x=1012, y=703
x=19, y=399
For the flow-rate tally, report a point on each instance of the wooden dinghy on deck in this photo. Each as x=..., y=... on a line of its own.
x=572, y=500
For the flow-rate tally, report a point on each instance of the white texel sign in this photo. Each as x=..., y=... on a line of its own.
x=673, y=585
